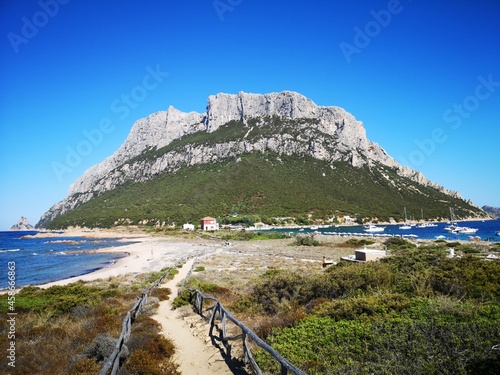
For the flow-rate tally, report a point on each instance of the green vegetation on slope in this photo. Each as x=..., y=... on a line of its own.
x=257, y=128
x=266, y=185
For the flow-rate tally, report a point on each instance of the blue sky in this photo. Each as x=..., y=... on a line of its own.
x=423, y=77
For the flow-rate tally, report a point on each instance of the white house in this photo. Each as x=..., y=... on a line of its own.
x=188, y=227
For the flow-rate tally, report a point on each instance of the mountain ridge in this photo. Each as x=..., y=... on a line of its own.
x=493, y=211
x=286, y=123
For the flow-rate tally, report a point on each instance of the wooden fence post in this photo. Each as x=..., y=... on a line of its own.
x=224, y=315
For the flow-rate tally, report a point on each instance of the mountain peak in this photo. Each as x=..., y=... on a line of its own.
x=284, y=123
x=222, y=108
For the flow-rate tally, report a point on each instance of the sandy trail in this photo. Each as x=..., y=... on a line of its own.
x=194, y=356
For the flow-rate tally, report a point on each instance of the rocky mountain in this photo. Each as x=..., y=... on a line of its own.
x=493, y=211
x=22, y=224
x=284, y=123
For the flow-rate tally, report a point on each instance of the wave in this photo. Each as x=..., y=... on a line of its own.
x=9, y=251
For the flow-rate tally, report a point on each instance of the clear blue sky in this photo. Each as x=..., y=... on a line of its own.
x=423, y=76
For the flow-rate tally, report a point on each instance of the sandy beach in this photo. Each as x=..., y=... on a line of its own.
x=147, y=254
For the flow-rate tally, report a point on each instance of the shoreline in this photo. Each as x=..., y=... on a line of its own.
x=148, y=254
x=354, y=224
x=121, y=233
x=141, y=253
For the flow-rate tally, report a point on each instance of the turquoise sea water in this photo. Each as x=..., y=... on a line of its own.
x=41, y=260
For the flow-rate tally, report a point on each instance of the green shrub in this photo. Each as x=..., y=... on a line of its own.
x=388, y=346
x=307, y=240
x=398, y=243
x=468, y=250
x=277, y=286
x=359, y=242
x=242, y=304
x=183, y=299
x=59, y=299
x=374, y=306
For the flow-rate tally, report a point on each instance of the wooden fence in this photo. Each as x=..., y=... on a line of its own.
x=112, y=364
x=113, y=361
x=220, y=313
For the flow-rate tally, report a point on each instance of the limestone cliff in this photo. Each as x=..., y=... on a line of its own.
x=330, y=134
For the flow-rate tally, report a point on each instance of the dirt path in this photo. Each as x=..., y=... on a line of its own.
x=194, y=356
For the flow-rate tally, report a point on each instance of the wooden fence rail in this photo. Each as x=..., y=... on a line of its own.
x=219, y=312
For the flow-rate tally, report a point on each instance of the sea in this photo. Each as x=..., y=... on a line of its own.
x=42, y=260
x=486, y=231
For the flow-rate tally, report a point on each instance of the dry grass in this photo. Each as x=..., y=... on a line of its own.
x=235, y=266
x=58, y=340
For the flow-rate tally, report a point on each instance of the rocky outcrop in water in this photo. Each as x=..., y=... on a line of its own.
x=22, y=224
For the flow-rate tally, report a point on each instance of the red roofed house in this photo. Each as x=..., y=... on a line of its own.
x=209, y=223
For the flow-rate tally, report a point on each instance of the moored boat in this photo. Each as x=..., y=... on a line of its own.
x=406, y=225
x=371, y=228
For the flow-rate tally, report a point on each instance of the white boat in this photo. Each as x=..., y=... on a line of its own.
x=453, y=225
x=465, y=230
x=406, y=225
x=425, y=224
x=314, y=227
x=451, y=228
x=372, y=228
x=456, y=229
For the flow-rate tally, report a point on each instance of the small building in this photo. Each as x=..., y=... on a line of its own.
x=188, y=227
x=365, y=255
x=209, y=223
